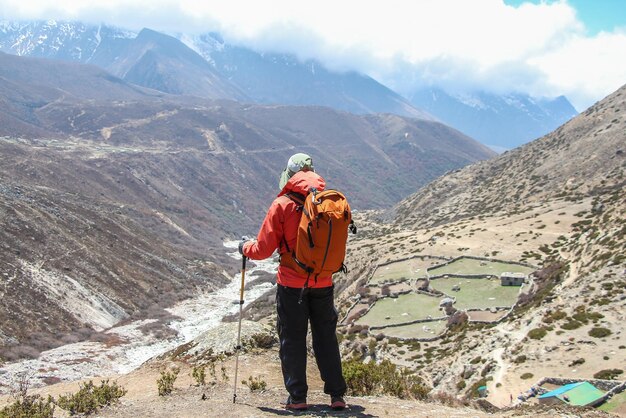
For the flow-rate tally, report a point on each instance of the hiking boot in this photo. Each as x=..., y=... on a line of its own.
x=337, y=403
x=296, y=404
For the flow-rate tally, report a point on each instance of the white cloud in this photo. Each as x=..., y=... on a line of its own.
x=585, y=68
x=538, y=48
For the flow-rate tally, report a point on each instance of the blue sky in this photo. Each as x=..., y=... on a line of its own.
x=597, y=15
x=548, y=48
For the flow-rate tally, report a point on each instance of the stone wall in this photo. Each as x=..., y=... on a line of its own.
x=415, y=321
x=611, y=387
x=483, y=259
x=605, y=385
x=377, y=266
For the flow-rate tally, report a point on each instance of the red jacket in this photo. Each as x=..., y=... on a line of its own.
x=281, y=225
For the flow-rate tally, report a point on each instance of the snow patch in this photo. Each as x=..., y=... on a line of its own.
x=471, y=101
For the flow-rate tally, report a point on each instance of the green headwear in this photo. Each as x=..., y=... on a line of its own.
x=297, y=162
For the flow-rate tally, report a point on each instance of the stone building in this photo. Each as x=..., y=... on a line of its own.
x=512, y=279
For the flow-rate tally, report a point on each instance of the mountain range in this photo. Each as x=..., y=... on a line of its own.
x=499, y=121
x=207, y=66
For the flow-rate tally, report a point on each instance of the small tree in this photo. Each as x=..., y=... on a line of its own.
x=165, y=383
x=90, y=397
x=199, y=375
x=255, y=384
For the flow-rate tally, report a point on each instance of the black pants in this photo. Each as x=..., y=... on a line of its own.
x=317, y=307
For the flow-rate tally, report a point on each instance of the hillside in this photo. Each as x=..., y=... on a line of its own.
x=583, y=158
x=557, y=204
x=28, y=84
x=163, y=63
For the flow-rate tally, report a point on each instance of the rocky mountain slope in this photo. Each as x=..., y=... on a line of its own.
x=558, y=203
x=501, y=121
x=102, y=109
x=584, y=157
x=163, y=63
x=284, y=79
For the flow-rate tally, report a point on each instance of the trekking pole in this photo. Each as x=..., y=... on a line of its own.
x=238, y=346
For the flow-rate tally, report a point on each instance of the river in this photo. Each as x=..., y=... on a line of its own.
x=90, y=359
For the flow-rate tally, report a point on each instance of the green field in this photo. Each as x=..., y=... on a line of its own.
x=404, y=308
x=617, y=404
x=419, y=330
x=477, y=293
x=471, y=266
x=413, y=268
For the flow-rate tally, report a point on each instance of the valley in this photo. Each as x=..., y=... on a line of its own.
x=124, y=347
x=485, y=281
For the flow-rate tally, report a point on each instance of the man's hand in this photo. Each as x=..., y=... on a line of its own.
x=244, y=239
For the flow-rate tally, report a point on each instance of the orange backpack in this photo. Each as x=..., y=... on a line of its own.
x=322, y=233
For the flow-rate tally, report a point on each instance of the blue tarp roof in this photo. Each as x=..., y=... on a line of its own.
x=561, y=390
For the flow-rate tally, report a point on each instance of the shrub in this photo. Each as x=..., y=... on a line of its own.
x=608, y=374
x=90, y=397
x=599, y=332
x=527, y=376
x=576, y=362
x=553, y=316
x=571, y=324
x=255, y=383
x=519, y=359
x=461, y=385
x=263, y=340
x=165, y=383
x=199, y=375
x=365, y=379
x=585, y=316
x=537, y=333
x=224, y=375
x=27, y=406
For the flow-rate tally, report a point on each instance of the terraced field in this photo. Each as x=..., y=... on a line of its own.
x=477, y=293
x=413, y=268
x=473, y=266
x=404, y=308
x=473, y=293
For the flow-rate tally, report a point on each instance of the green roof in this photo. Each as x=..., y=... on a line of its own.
x=579, y=394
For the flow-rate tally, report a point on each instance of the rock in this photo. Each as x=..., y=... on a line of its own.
x=223, y=338
x=487, y=406
x=437, y=379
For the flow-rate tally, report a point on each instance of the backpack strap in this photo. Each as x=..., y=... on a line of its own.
x=297, y=197
x=299, y=200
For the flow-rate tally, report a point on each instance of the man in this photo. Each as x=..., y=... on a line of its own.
x=297, y=307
